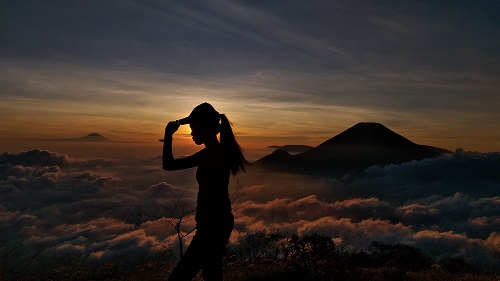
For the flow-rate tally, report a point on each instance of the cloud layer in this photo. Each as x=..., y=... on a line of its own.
x=54, y=203
x=475, y=174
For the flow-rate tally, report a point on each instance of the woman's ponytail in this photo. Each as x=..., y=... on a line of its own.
x=237, y=159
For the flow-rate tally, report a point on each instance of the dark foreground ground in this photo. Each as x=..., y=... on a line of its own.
x=258, y=257
x=246, y=271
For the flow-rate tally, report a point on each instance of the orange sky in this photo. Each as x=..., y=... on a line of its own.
x=28, y=124
x=427, y=74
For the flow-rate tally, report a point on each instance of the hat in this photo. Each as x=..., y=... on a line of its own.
x=203, y=112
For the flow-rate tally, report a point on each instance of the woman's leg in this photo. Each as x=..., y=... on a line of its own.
x=191, y=263
x=215, y=246
x=212, y=268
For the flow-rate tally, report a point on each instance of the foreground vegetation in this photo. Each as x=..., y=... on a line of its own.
x=258, y=257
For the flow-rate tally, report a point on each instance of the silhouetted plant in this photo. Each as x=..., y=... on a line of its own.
x=177, y=216
x=399, y=255
x=261, y=245
x=309, y=253
x=258, y=257
x=456, y=265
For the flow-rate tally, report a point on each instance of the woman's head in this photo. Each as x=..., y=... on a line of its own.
x=204, y=133
x=206, y=123
x=203, y=113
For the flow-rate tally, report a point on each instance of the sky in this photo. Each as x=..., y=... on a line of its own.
x=284, y=72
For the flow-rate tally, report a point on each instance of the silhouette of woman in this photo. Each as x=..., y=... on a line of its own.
x=214, y=221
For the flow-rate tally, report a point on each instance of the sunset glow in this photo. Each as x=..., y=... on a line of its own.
x=304, y=93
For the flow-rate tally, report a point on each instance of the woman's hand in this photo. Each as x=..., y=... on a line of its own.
x=171, y=128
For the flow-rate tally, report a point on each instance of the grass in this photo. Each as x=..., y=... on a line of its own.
x=67, y=267
x=258, y=257
x=74, y=268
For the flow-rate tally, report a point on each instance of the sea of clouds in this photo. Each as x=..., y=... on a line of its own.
x=447, y=206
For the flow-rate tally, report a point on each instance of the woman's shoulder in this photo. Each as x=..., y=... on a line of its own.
x=216, y=152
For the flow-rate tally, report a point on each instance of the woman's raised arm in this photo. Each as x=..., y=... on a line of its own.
x=169, y=163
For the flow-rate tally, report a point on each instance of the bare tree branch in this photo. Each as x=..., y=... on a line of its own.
x=177, y=217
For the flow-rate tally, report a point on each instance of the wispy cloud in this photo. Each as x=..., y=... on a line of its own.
x=410, y=64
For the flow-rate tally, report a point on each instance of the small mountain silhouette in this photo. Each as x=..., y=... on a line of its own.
x=92, y=137
x=354, y=150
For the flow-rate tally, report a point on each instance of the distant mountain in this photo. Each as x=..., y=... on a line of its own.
x=439, y=149
x=293, y=148
x=93, y=137
x=355, y=149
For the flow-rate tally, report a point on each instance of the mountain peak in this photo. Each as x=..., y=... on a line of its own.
x=94, y=135
x=355, y=149
x=369, y=134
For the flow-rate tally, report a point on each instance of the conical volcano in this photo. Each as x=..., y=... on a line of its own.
x=354, y=150
x=368, y=134
x=92, y=137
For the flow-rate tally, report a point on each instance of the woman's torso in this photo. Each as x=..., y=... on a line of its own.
x=213, y=204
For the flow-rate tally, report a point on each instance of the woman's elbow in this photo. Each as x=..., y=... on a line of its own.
x=168, y=166
x=168, y=163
